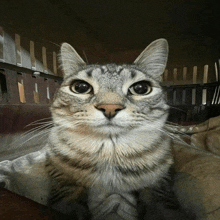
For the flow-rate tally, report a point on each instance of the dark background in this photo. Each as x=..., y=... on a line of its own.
x=116, y=30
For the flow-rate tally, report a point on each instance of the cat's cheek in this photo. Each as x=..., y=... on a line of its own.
x=98, y=115
x=123, y=116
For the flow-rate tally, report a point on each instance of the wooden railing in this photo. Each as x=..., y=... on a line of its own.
x=29, y=75
x=29, y=72
x=192, y=75
x=26, y=53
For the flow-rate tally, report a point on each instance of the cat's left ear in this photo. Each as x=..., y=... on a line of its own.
x=70, y=60
x=154, y=58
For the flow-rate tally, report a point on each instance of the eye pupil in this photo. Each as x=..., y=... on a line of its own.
x=140, y=88
x=81, y=87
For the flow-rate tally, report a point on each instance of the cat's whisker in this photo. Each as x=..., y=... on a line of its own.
x=44, y=132
x=177, y=130
x=178, y=109
x=177, y=138
x=41, y=123
x=39, y=120
x=31, y=132
x=37, y=128
x=172, y=123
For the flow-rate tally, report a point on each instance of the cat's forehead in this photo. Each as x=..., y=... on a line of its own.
x=111, y=72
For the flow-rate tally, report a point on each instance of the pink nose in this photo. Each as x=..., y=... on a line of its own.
x=110, y=110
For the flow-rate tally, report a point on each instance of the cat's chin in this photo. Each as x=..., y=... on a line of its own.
x=110, y=129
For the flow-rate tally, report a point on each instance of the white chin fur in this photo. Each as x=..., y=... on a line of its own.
x=106, y=129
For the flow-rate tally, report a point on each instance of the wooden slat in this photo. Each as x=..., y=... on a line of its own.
x=18, y=49
x=194, y=74
x=205, y=80
x=25, y=53
x=44, y=57
x=205, y=75
x=9, y=49
x=38, y=55
x=175, y=75
x=184, y=74
x=216, y=72
x=21, y=92
x=194, y=82
x=32, y=54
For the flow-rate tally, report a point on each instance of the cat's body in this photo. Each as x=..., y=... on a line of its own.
x=108, y=139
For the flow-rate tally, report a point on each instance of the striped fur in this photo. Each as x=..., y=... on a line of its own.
x=109, y=159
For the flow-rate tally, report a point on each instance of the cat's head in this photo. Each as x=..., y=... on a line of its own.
x=111, y=98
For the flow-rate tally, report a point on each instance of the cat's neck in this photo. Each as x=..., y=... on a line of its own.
x=92, y=143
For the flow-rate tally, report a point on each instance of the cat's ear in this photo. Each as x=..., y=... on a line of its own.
x=154, y=58
x=70, y=60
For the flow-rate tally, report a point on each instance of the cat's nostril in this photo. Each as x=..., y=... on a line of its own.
x=118, y=109
x=110, y=110
x=101, y=109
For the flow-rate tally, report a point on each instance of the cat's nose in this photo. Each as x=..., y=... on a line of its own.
x=110, y=110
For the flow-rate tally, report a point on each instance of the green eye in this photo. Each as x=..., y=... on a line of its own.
x=80, y=87
x=140, y=88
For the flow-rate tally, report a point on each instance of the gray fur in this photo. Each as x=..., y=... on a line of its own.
x=108, y=159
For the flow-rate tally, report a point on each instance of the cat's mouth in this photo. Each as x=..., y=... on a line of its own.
x=114, y=127
x=111, y=124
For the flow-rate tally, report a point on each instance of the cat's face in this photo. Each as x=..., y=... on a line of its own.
x=112, y=99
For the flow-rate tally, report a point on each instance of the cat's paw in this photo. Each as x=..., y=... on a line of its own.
x=115, y=207
x=112, y=216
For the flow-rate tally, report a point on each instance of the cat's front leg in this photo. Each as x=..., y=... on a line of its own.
x=112, y=206
x=69, y=199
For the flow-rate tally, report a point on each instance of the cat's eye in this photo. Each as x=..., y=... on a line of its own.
x=140, y=88
x=80, y=87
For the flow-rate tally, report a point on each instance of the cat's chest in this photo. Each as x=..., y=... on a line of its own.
x=126, y=163
x=107, y=176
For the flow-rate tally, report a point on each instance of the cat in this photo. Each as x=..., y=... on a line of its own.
x=108, y=140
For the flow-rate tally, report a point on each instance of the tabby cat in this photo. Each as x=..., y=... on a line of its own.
x=108, y=139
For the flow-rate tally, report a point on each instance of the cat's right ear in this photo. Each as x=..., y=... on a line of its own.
x=70, y=60
x=154, y=58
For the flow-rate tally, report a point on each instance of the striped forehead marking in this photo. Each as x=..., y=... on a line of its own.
x=112, y=69
x=89, y=72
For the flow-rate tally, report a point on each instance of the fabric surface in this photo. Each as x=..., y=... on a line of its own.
x=26, y=176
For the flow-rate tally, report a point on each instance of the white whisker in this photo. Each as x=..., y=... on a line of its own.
x=33, y=123
x=38, y=134
x=177, y=138
x=43, y=129
x=37, y=129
